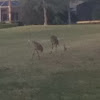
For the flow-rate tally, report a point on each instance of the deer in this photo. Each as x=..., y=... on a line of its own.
x=55, y=42
x=37, y=48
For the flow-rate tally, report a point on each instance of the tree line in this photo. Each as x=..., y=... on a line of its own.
x=48, y=11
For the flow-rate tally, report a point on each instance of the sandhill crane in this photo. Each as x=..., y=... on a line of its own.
x=54, y=41
x=37, y=47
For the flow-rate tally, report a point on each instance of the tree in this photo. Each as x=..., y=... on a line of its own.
x=32, y=12
x=69, y=10
x=45, y=11
x=33, y=9
x=51, y=4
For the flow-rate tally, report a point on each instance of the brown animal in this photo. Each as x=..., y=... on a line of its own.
x=54, y=41
x=37, y=47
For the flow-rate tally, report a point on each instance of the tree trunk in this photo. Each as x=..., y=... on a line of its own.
x=69, y=12
x=45, y=13
x=10, y=12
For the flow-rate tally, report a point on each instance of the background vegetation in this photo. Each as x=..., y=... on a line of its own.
x=57, y=11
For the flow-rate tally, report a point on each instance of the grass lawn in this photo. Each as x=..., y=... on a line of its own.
x=70, y=75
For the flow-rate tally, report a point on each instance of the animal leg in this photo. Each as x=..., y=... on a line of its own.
x=56, y=47
x=52, y=46
x=33, y=53
x=65, y=48
x=38, y=54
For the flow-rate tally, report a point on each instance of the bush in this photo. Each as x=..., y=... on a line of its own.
x=7, y=25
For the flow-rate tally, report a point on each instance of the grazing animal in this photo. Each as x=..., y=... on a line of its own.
x=37, y=47
x=54, y=41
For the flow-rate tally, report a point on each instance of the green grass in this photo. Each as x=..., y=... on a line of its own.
x=70, y=75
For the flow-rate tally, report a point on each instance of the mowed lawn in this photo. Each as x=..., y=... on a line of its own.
x=70, y=75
